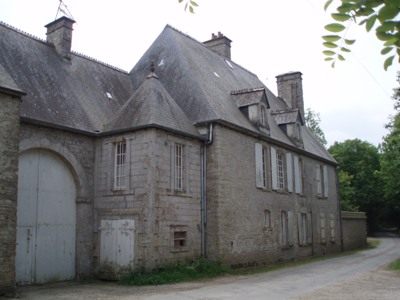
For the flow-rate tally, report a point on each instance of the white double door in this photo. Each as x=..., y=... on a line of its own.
x=46, y=219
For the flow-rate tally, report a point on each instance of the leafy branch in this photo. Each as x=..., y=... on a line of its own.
x=379, y=14
x=189, y=4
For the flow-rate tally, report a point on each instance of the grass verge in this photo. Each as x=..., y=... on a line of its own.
x=395, y=266
x=202, y=268
x=176, y=272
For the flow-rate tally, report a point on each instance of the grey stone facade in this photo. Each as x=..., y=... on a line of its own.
x=184, y=156
x=10, y=101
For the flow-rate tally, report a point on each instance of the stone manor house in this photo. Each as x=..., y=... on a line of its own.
x=187, y=155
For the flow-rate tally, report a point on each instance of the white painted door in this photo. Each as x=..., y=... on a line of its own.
x=117, y=243
x=46, y=218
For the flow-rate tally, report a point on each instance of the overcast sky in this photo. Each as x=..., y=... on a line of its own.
x=268, y=38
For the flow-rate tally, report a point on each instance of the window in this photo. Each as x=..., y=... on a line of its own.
x=179, y=239
x=280, y=172
x=304, y=226
x=277, y=169
x=267, y=218
x=178, y=178
x=120, y=165
x=333, y=232
x=321, y=175
x=286, y=227
x=322, y=227
x=298, y=175
x=263, y=116
x=261, y=166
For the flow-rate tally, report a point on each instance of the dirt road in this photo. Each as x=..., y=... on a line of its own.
x=360, y=276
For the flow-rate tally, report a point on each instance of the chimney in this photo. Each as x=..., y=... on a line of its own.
x=220, y=44
x=290, y=88
x=59, y=33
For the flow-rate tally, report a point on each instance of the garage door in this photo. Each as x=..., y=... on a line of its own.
x=46, y=218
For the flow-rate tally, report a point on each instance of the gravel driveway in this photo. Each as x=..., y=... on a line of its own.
x=359, y=276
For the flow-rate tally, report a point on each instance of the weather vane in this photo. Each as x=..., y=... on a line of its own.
x=63, y=8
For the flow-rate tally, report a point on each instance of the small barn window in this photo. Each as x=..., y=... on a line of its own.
x=180, y=239
x=267, y=218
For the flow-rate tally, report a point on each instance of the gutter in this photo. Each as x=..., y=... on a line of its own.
x=203, y=196
x=340, y=211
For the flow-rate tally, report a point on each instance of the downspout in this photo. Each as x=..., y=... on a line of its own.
x=203, y=196
x=340, y=211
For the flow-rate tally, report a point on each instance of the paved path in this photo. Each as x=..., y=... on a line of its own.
x=359, y=276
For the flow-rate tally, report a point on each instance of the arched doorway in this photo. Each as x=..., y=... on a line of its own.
x=46, y=219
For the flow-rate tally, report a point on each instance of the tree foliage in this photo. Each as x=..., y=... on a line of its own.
x=361, y=185
x=189, y=5
x=313, y=121
x=380, y=15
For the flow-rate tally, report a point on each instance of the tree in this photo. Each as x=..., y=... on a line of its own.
x=390, y=172
x=361, y=186
x=383, y=13
x=312, y=121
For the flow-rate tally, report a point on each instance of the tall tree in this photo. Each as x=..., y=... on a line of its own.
x=359, y=168
x=313, y=121
x=390, y=164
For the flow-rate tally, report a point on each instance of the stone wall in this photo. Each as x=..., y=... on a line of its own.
x=354, y=230
x=149, y=197
x=236, y=229
x=9, y=139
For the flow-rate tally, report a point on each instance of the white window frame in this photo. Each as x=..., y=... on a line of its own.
x=267, y=219
x=179, y=166
x=120, y=166
x=261, y=159
x=263, y=115
x=280, y=170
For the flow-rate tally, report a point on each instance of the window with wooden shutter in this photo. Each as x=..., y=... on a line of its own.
x=322, y=227
x=298, y=174
x=326, y=185
x=290, y=228
x=289, y=172
x=261, y=166
x=333, y=228
x=274, y=169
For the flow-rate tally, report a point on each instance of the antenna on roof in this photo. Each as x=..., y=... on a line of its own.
x=63, y=9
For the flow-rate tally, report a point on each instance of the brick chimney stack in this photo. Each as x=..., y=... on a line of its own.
x=220, y=44
x=59, y=33
x=290, y=88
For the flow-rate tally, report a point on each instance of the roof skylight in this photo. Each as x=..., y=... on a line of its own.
x=229, y=63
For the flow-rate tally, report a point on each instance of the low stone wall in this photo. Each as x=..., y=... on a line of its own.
x=354, y=226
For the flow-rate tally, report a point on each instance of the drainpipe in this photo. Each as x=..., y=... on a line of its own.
x=340, y=211
x=203, y=196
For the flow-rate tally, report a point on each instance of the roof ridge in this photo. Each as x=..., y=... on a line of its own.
x=201, y=43
x=99, y=61
x=23, y=32
x=248, y=90
x=51, y=44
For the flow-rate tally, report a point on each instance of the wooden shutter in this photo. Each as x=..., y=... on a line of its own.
x=326, y=185
x=289, y=172
x=299, y=229
x=309, y=229
x=290, y=228
x=274, y=169
x=297, y=177
x=322, y=227
x=333, y=229
x=259, y=165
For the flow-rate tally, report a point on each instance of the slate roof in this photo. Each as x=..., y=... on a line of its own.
x=248, y=96
x=151, y=105
x=287, y=116
x=66, y=93
x=201, y=81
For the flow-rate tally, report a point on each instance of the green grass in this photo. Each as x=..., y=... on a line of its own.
x=173, y=273
x=202, y=268
x=395, y=266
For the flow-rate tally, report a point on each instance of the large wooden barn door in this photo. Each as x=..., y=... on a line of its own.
x=46, y=218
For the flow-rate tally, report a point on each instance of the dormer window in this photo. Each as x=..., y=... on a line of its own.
x=263, y=115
